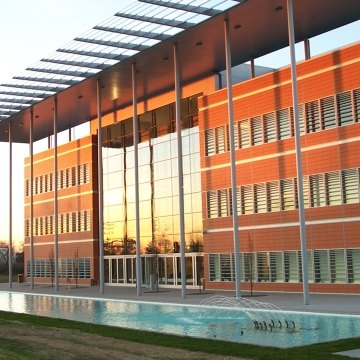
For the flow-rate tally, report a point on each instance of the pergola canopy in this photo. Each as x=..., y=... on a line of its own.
x=144, y=33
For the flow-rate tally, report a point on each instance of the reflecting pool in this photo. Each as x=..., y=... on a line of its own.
x=229, y=324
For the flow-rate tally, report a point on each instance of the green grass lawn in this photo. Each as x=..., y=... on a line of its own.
x=14, y=349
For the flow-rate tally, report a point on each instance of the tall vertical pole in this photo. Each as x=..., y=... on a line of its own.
x=10, y=252
x=100, y=191
x=298, y=151
x=56, y=208
x=31, y=199
x=180, y=170
x=136, y=160
x=232, y=159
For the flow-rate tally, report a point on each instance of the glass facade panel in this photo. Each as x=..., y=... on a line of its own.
x=158, y=182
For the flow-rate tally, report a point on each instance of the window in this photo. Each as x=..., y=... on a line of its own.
x=353, y=265
x=214, y=267
x=283, y=124
x=260, y=198
x=247, y=199
x=306, y=191
x=73, y=222
x=210, y=142
x=276, y=267
x=312, y=116
x=73, y=176
x=328, y=116
x=301, y=120
x=226, y=273
x=317, y=190
x=86, y=173
x=41, y=185
x=220, y=141
x=68, y=178
x=337, y=266
x=212, y=206
x=36, y=186
x=51, y=181
x=291, y=266
x=344, y=107
x=86, y=220
x=244, y=134
x=27, y=187
x=321, y=266
x=256, y=130
x=51, y=225
x=262, y=266
x=350, y=186
x=333, y=188
x=250, y=267
x=223, y=202
x=273, y=196
x=269, y=128
x=287, y=194
x=27, y=227
x=357, y=105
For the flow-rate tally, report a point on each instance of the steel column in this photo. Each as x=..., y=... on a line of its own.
x=299, y=171
x=232, y=158
x=180, y=170
x=136, y=160
x=31, y=199
x=56, y=212
x=10, y=252
x=100, y=192
x=307, y=49
x=252, y=68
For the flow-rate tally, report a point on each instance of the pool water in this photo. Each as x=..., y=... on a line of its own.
x=229, y=324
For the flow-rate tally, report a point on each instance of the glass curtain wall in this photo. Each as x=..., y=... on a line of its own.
x=158, y=188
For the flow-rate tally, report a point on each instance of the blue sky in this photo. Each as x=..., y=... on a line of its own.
x=33, y=29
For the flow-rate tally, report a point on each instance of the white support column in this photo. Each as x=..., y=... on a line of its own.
x=299, y=171
x=136, y=163
x=100, y=192
x=180, y=170
x=10, y=252
x=56, y=212
x=31, y=199
x=232, y=158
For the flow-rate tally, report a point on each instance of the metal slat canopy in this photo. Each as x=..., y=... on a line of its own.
x=24, y=94
x=47, y=80
x=50, y=88
x=141, y=26
x=187, y=22
x=95, y=54
x=18, y=101
x=117, y=44
x=85, y=64
x=64, y=72
x=160, y=21
x=137, y=33
x=12, y=107
x=185, y=7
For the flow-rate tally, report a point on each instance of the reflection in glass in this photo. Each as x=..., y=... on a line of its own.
x=158, y=185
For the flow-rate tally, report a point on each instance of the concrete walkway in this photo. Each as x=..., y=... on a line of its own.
x=334, y=303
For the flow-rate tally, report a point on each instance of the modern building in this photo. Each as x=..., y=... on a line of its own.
x=188, y=130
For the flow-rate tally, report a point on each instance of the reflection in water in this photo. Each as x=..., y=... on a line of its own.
x=197, y=321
